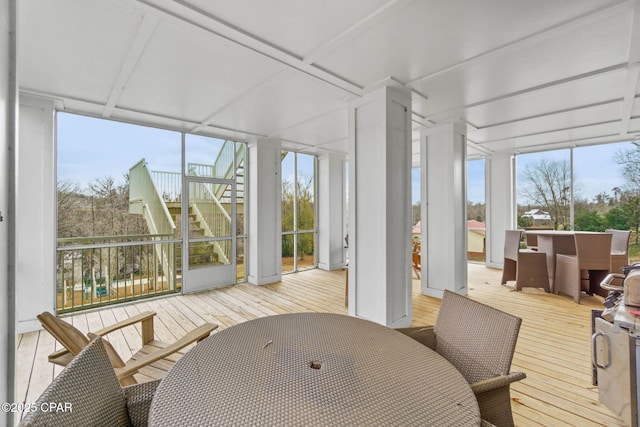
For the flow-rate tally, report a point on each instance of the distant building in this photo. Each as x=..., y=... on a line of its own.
x=539, y=217
x=476, y=234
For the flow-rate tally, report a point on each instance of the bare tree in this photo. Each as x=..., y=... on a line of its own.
x=547, y=185
x=476, y=210
x=66, y=222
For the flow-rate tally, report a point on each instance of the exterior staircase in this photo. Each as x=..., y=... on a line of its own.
x=200, y=253
x=158, y=197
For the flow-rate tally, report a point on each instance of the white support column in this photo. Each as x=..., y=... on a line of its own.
x=8, y=146
x=331, y=199
x=264, y=234
x=380, y=207
x=35, y=206
x=500, y=190
x=443, y=153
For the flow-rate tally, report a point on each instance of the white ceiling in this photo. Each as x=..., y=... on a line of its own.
x=524, y=75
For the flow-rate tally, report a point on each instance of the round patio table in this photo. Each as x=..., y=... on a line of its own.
x=312, y=369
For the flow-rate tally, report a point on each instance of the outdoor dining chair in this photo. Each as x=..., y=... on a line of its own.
x=479, y=341
x=526, y=266
x=619, y=249
x=155, y=357
x=585, y=270
x=87, y=393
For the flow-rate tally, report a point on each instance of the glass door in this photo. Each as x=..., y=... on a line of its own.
x=211, y=172
x=210, y=241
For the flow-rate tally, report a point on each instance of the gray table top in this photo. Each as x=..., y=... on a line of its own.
x=308, y=369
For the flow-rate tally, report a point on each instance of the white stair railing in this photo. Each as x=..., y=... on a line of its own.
x=145, y=199
x=214, y=220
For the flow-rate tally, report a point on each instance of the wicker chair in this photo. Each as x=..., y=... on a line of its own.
x=479, y=341
x=526, y=266
x=619, y=249
x=89, y=388
x=587, y=268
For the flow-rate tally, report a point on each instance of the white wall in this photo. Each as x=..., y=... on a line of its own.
x=8, y=85
x=35, y=208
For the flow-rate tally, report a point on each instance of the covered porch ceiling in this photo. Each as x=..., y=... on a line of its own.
x=523, y=75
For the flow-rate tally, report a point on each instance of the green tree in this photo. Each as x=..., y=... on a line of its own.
x=631, y=209
x=616, y=218
x=306, y=215
x=589, y=220
x=525, y=221
x=629, y=161
x=303, y=215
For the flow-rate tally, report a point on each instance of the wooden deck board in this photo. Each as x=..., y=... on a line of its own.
x=553, y=348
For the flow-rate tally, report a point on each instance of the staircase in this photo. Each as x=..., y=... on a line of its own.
x=158, y=197
x=200, y=253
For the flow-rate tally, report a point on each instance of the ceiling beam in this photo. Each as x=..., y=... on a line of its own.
x=633, y=71
x=558, y=29
x=551, y=113
x=200, y=19
x=547, y=131
x=529, y=90
x=145, y=30
x=479, y=148
x=139, y=117
x=308, y=120
x=566, y=143
x=355, y=30
x=273, y=80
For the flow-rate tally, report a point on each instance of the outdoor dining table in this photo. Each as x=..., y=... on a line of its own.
x=311, y=369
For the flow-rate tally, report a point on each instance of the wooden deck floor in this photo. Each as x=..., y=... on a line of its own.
x=553, y=347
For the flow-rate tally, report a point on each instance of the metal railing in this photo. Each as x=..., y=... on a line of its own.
x=98, y=271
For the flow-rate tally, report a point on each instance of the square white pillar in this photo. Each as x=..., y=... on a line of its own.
x=264, y=211
x=35, y=207
x=443, y=159
x=331, y=207
x=380, y=207
x=501, y=205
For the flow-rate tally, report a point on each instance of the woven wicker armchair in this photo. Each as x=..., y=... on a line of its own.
x=586, y=269
x=89, y=394
x=479, y=341
x=527, y=267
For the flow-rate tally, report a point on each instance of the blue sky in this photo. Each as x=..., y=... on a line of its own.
x=595, y=170
x=90, y=148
